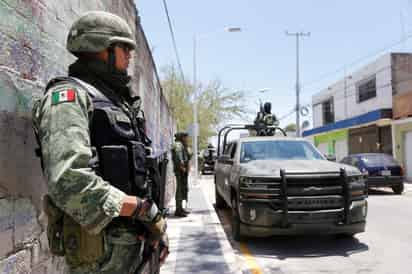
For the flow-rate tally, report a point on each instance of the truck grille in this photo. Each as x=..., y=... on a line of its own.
x=318, y=191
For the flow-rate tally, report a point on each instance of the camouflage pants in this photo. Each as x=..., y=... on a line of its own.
x=182, y=189
x=122, y=256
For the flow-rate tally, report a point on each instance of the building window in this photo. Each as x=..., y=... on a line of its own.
x=367, y=90
x=328, y=112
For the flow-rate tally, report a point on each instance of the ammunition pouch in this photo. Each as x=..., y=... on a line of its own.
x=54, y=226
x=124, y=167
x=67, y=238
x=114, y=163
x=80, y=246
x=122, y=158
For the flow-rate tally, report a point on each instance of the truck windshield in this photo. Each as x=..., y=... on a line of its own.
x=278, y=150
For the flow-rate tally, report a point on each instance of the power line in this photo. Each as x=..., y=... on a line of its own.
x=368, y=56
x=287, y=114
x=173, y=40
x=355, y=93
x=327, y=74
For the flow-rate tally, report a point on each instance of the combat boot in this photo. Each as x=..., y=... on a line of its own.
x=180, y=213
x=187, y=211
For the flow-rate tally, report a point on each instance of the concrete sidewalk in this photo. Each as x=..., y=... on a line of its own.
x=408, y=187
x=198, y=243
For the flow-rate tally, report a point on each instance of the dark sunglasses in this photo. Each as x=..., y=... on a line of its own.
x=124, y=47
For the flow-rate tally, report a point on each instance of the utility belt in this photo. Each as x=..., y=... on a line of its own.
x=67, y=238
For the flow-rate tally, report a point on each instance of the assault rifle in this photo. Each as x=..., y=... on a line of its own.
x=157, y=169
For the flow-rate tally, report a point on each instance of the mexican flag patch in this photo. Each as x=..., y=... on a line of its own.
x=68, y=95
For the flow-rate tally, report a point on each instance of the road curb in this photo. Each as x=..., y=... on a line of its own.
x=227, y=250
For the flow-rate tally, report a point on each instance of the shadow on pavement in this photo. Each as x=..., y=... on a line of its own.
x=200, y=252
x=205, y=212
x=305, y=246
x=283, y=247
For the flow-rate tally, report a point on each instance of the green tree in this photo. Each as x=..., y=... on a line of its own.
x=290, y=127
x=178, y=94
x=216, y=104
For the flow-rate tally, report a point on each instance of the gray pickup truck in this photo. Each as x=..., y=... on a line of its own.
x=285, y=186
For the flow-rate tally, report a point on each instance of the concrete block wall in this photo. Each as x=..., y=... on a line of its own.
x=32, y=51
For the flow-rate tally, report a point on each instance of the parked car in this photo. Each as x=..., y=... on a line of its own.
x=381, y=170
x=285, y=186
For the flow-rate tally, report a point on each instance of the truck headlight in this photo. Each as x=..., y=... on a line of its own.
x=357, y=186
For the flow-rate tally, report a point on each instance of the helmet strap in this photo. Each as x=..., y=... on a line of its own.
x=112, y=59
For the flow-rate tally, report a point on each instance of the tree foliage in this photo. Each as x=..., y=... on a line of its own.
x=290, y=127
x=216, y=104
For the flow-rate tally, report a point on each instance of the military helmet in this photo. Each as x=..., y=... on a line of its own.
x=96, y=31
x=180, y=135
x=267, y=107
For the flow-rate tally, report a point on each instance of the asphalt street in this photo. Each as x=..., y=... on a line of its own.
x=385, y=247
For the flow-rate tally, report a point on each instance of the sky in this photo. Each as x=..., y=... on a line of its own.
x=262, y=56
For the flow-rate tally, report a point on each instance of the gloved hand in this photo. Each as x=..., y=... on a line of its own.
x=156, y=229
x=146, y=210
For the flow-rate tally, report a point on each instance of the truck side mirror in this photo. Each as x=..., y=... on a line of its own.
x=330, y=157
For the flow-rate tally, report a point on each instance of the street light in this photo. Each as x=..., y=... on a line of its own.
x=196, y=39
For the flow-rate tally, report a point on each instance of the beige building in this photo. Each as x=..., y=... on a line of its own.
x=402, y=113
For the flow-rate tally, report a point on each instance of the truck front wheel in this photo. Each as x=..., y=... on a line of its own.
x=398, y=189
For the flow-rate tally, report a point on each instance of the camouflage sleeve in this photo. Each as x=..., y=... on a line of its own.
x=63, y=128
x=179, y=153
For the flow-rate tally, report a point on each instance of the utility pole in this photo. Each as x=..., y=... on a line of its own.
x=195, y=120
x=297, y=35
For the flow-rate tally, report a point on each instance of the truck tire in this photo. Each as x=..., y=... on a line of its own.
x=345, y=236
x=398, y=189
x=220, y=202
x=235, y=221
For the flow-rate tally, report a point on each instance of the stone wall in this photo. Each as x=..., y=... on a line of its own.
x=32, y=51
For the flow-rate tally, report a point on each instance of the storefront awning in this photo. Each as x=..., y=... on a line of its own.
x=351, y=122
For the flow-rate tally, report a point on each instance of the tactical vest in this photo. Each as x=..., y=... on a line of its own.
x=176, y=161
x=119, y=156
x=117, y=140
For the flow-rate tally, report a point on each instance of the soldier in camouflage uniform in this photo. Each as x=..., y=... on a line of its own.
x=265, y=118
x=96, y=220
x=181, y=158
x=268, y=118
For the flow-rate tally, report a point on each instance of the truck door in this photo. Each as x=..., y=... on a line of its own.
x=227, y=167
x=220, y=170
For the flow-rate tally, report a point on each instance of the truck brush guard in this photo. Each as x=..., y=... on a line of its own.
x=316, y=194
